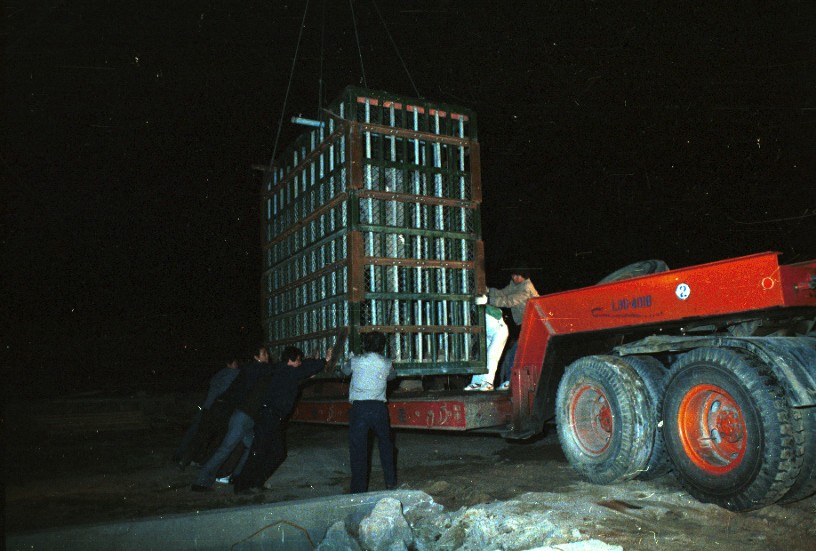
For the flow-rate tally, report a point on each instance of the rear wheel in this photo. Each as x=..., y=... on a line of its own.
x=728, y=430
x=805, y=427
x=602, y=416
x=653, y=374
x=805, y=484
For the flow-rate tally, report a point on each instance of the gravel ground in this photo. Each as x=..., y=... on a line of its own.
x=480, y=479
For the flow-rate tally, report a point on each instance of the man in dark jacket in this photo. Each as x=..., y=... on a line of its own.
x=198, y=436
x=280, y=392
x=239, y=400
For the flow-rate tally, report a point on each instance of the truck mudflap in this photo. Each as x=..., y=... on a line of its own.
x=455, y=412
x=792, y=359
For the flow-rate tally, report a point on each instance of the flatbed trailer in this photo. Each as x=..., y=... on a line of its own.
x=708, y=371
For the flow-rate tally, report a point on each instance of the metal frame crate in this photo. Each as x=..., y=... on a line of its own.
x=371, y=223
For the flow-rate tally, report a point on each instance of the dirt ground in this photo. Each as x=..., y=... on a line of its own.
x=96, y=477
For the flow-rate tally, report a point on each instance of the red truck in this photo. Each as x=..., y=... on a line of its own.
x=708, y=371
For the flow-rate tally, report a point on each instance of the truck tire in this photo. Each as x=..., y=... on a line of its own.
x=728, y=430
x=637, y=269
x=653, y=373
x=602, y=415
x=805, y=484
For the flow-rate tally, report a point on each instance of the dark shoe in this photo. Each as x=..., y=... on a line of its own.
x=199, y=488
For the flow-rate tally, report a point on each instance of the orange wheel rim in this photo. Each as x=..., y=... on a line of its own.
x=591, y=420
x=712, y=429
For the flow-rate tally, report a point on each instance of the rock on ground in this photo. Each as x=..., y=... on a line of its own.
x=338, y=539
x=385, y=526
x=514, y=525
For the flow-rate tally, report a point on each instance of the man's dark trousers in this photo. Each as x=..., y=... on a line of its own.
x=210, y=431
x=267, y=454
x=365, y=416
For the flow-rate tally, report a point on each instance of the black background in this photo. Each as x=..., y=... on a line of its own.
x=611, y=132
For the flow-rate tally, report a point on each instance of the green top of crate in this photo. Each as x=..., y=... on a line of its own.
x=383, y=108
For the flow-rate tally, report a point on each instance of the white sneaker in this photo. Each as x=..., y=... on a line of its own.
x=505, y=385
x=484, y=387
x=473, y=386
x=224, y=480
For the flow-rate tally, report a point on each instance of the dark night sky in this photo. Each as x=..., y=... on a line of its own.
x=611, y=132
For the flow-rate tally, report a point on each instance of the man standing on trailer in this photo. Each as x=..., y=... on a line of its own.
x=370, y=374
x=514, y=296
x=496, y=334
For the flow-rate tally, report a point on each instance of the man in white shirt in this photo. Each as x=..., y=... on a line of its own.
x=370, y=373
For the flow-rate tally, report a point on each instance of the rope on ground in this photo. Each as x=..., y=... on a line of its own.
x=268, y=526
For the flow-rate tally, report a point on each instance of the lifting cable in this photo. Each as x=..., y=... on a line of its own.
x=288, y=87
x=357, y=37
x=407, y=72
x=391, y=38
x=322, y=55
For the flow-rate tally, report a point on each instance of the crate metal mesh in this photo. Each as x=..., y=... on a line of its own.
x=371, y=223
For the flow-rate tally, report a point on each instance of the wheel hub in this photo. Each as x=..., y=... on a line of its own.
x=712, y=429
x=592, y=419
x=729, y=425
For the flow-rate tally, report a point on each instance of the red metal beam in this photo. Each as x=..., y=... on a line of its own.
x=473, y=411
